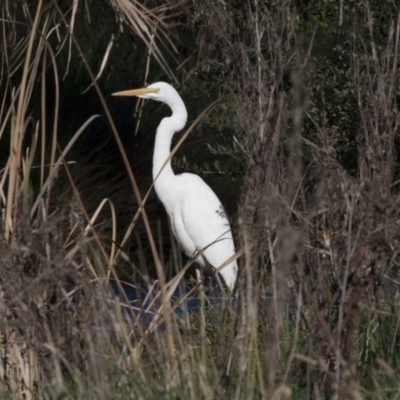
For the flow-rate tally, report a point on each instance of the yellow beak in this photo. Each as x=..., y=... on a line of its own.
x=137, y=92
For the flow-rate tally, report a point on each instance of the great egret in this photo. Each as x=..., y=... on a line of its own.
x=197, y=217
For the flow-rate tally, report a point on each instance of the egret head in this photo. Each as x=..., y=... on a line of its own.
x=159, y=91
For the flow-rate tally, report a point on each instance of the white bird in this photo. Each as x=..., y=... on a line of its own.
x=197, y=217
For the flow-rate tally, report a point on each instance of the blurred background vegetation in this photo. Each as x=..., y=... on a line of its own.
x=198, y=47
x=301, y=148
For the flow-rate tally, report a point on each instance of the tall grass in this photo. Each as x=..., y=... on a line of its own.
x=316, y=313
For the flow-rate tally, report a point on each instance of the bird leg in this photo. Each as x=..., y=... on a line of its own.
x=202, y=297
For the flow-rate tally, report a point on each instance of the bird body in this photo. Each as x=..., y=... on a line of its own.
x=198, y=219
x=210, y=232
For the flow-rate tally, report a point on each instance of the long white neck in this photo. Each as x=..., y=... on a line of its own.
x=162, y=148
x=165, y=131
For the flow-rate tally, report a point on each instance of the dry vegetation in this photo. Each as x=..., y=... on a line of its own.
x=322, y=238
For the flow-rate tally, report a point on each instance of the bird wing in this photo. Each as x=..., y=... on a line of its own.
x=204, y=220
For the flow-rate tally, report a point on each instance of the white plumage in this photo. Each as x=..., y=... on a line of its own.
x=198, y=219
